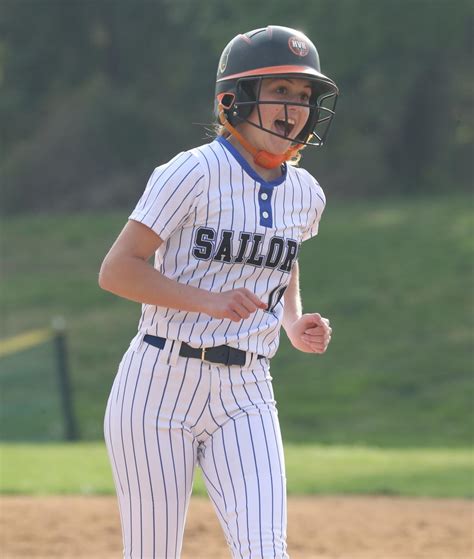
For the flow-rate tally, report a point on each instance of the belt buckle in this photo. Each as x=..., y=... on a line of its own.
x=203, y=353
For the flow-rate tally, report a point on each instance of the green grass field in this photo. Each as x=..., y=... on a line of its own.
x=394, y=277
x=83, y=468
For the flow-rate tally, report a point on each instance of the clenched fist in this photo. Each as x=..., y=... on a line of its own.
x=311, y=333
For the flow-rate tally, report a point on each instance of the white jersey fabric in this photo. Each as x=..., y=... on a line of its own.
x=223, y=227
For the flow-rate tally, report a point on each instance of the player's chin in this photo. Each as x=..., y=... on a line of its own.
x=280, y=145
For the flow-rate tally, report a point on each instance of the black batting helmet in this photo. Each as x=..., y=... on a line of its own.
x=270, y=52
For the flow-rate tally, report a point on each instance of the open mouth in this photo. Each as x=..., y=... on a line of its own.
x=284, y=127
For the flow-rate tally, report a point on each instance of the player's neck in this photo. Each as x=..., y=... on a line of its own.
x=267, y=174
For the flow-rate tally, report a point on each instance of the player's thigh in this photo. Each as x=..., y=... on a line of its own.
x=151, y=454
x=244, y=470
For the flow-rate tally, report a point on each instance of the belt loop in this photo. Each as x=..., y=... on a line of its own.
x=137, y=342
x=228, y=356
x=164, y=354
x=249, y=359
x=174, y=352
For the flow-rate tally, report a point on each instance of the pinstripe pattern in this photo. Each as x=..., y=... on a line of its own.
x=162, y=421
x=222, y=228
x=211, y=186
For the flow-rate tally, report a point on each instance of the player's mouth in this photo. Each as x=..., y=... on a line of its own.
x=284, y=127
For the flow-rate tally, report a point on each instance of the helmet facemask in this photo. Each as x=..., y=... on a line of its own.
x=239, y=104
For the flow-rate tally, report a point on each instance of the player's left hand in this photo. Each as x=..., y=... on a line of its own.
x=311, y=333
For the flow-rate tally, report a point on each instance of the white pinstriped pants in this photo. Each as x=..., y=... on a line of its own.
x=166, y=414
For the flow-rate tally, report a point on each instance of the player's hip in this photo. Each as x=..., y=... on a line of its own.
x=156, y=389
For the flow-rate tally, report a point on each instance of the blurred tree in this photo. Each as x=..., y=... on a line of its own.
x=94, y=94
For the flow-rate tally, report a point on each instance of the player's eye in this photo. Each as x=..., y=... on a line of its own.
x=282, y=90
x=304, y=97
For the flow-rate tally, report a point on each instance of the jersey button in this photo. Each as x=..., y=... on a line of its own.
x=264, y=196
x=265, y=214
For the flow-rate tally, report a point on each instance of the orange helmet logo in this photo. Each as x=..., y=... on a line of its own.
x=298, y=46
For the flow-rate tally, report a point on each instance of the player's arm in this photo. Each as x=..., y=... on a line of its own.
x=293, y=308
x=126, y=272
x=309, y=332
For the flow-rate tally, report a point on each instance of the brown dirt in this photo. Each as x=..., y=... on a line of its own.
x=319, y=528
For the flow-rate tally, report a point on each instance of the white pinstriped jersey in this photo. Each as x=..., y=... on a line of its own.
x=223, y=228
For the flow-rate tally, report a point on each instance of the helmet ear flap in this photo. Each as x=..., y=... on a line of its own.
x=245, y=100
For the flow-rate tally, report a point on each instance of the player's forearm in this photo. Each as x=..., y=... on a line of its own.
x=293, y=308
x=135, y=279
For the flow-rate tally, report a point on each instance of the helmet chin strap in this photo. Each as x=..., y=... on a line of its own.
x=262, y=158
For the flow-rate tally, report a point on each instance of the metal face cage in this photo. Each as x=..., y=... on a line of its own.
x=322, y=105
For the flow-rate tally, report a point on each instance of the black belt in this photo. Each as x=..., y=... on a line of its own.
x=218, y=354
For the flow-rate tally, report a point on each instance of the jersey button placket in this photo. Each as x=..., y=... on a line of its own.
x=265, y=206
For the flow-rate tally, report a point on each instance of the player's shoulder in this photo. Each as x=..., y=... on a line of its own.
x=185, y=164
x=185, y=158
x=191, y=165
x=208, y=153
x=307, y=180
x=194, y=161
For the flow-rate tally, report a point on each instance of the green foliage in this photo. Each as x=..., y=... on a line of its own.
x=394, y=277
x=30, y=405
x=310, y=470
x=116, y=87
x=396, y=281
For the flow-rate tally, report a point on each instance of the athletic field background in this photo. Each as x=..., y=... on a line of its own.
x=83, y=468
x=394, y=277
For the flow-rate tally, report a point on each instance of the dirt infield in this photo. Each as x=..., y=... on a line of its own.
x=319, y=528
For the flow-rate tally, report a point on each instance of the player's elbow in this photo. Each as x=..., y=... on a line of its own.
x=106, y=275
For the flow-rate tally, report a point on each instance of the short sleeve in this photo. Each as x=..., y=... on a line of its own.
x=316, y=208
x=170, y=195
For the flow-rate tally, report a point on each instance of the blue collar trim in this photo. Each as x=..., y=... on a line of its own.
x=246, y=166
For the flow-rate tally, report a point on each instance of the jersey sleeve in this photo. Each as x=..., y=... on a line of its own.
x=316, y=208
x=170, y=195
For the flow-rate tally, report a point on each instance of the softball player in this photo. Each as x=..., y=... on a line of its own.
x=224, y=222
